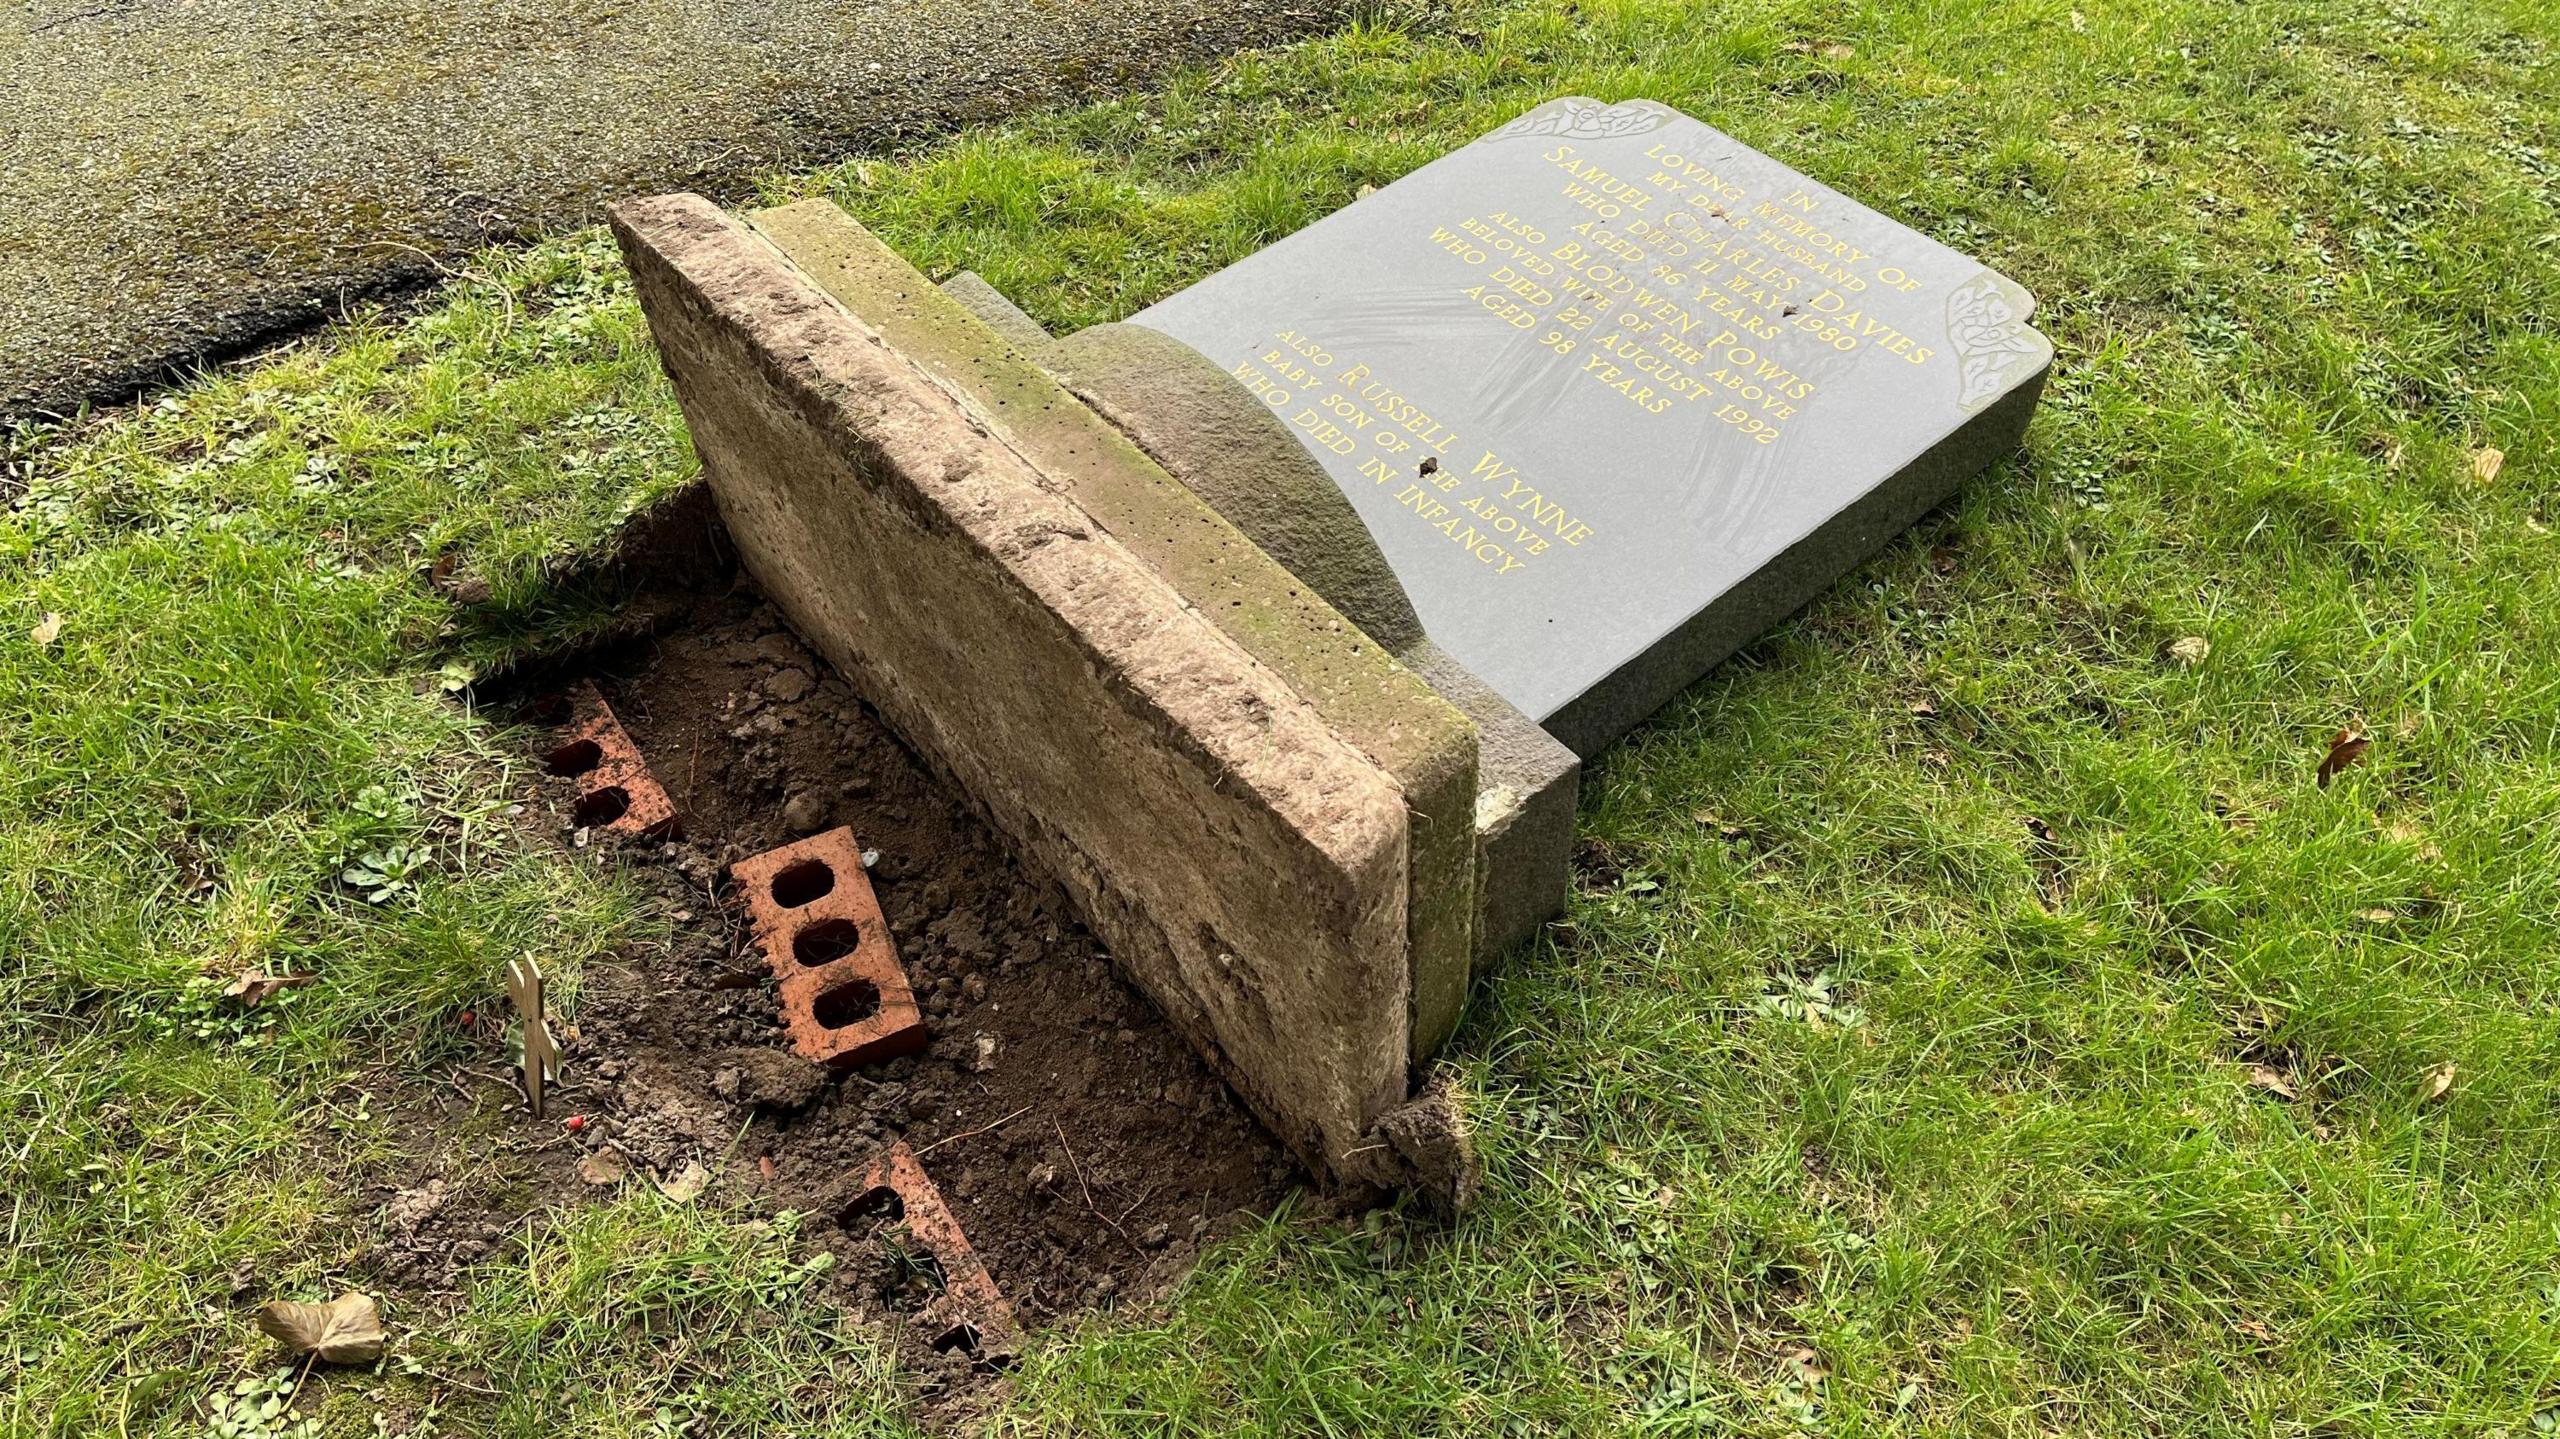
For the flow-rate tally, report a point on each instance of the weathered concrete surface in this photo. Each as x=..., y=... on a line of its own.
x=181, y=181
x=1204, y=426
x=1355, y=684
x=1209, y=431
x=1527, y=784
x=1246, y=863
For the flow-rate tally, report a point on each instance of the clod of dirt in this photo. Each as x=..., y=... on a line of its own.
x=1430, y=1136
x=773, y=1078
x=805, y=813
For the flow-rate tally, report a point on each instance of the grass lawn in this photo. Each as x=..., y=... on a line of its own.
x=1974, y=1017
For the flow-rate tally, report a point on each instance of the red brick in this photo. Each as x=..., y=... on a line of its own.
x=616, y=792
x=970, y=1313
x=845, y=997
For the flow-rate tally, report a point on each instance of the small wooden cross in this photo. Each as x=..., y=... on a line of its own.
x=541, y=1054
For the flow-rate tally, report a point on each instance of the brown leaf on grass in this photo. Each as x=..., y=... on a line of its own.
x=2189, y=651
x=1806, y=1365
x=253, y=989
x=1943, y=559
x=346, y=1330
x=2486, y=462
x=2404, y=831
x=2346, y=749
x=2436, y=1084
x=47, y=630
x=603, y=1166
x=1924, y=707
x=2272, y=1080
x=2379, y=914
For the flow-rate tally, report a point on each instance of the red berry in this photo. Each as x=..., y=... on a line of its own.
x=469, y=1019
x=574, y=1123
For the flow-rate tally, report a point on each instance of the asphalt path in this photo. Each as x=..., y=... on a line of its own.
x=183, y=179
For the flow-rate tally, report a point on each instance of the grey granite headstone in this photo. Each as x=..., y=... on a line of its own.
x=1615, y=392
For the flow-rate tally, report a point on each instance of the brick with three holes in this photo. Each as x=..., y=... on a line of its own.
x=845, y=997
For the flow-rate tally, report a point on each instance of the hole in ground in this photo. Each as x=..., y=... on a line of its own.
x=603, y=806
x=803, y=883
x=826, y=941
x=851, y=1002
x=881, y=1204
x=550, y=711
x=574, y=758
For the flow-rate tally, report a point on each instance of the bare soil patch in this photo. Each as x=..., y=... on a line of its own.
x=1085, y=1149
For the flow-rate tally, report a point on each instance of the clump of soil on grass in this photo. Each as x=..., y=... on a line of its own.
x=1086, y=1150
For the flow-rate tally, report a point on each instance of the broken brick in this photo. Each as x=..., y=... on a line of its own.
x=616, y=792
x=845, y=997
x=968, y=1314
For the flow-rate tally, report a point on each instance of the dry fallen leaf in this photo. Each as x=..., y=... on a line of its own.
x=346, y=1330
x=2403, y=831
x=603, y=1167
x=2438, y=1080
x=253, y=989
x=1924, y=708
x=2271, y=1080
x=2486, y=462
x=2189, y=651
x=2377, y=915
x=2346, y=748
x=1807, y=1365
x=48, y=630
x=687, y=1186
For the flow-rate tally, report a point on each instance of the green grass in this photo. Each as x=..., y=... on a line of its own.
x=1894, y=1073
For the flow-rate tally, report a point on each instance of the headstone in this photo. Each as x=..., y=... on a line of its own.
x=1615, y=392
